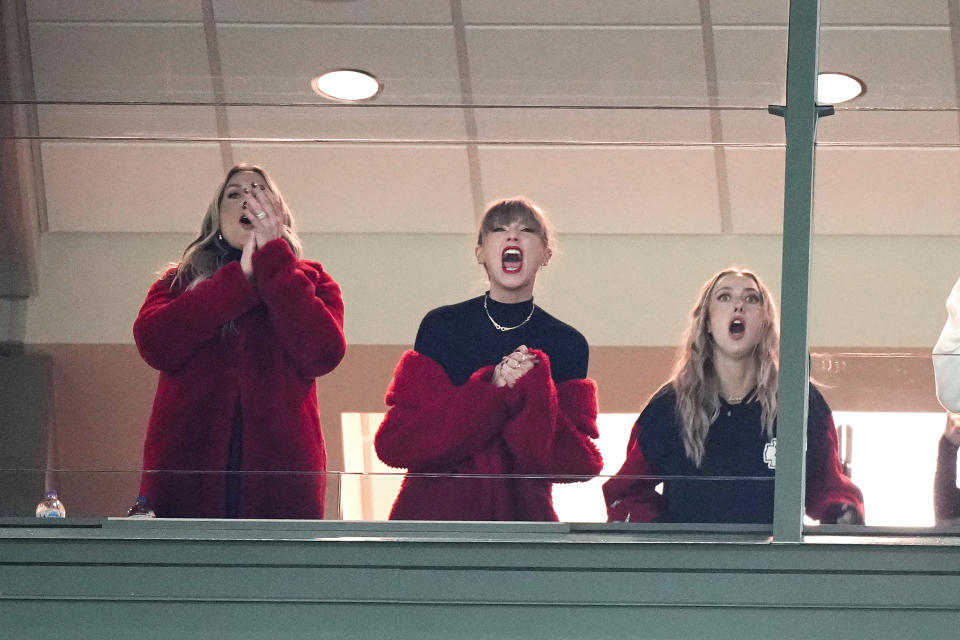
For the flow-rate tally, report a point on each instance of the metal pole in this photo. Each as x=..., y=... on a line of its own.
x=801, y=115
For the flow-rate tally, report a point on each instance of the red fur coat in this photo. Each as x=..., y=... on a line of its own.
x=287, y=329
x=536, y=427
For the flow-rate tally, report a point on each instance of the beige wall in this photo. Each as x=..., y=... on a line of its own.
x=618, y=290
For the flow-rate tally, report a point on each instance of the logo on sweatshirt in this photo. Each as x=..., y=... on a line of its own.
x=770, y=454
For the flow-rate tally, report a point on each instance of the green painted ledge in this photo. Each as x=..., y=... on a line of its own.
x=327, y=579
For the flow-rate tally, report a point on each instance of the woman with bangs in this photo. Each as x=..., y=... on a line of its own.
x=716, y=418
x=239, y=330
x=493, y=404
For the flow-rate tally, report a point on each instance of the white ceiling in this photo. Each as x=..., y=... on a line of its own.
x=619, y=116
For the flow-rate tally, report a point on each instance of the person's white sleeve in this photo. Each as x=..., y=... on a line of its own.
x=946, y=355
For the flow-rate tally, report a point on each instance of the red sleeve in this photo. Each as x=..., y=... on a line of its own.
x=830, y=487
x=430, y=421
x=170, y=327
x=553, y=427
x=305, y=308
x=629, y=498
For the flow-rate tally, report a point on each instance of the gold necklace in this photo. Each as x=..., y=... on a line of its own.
x=497, y=325
x=739, y=399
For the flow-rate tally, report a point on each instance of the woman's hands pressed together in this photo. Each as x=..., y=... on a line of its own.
x=265, y=213
x=514, y=366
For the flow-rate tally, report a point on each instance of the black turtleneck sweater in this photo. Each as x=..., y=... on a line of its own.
x=461, y=338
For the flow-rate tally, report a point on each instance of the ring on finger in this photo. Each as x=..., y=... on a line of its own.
x=261, y=215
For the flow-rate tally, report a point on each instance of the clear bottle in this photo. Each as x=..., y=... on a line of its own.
x=51, y=507
x=141, y=509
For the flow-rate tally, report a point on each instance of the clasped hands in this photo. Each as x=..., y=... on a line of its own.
x=514, y=366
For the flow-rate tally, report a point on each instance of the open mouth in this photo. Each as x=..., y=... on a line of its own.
x=245, y=221
x=737, y=327
x=511, y=259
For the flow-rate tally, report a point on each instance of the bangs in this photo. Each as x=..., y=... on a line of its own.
x=506, y=213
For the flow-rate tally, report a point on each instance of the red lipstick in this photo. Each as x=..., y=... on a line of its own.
x=511, y=259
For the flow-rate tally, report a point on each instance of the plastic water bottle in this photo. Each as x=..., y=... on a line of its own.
x=141, y=509
x=51, y=507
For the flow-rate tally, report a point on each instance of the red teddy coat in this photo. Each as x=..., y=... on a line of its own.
x=536, y=428
x=287, y=330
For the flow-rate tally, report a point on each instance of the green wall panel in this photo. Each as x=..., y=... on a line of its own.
x=317, y=580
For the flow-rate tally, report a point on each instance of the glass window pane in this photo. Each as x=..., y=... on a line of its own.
x=642, y=129
x=883, y=255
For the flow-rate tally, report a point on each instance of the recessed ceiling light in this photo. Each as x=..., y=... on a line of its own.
x=346, y=85
x=834, y=88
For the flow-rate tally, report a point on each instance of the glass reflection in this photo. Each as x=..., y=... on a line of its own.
x=887, y=416
x=883, y=255
x=643, y=132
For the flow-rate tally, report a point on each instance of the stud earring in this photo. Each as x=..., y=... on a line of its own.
x=220, y=237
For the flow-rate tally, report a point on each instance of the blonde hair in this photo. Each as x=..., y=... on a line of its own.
x=509, y=210
x=695, y=378
x=210, y=251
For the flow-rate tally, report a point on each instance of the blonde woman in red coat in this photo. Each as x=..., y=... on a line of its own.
x=493, y=404
x=239, y=330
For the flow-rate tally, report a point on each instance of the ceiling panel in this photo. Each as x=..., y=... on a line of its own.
x=889, y=127
x=661, y=126
x=741, y=12
x=115, y=10
x=751, y=65
x=864, y=12
x=133, y=187
x=887, y=191
x=752, y=126
x=613, y=70
x=346, y=123
x=579, y=12
x=586, y=66
x=902, y=67
x=84, y=121
x=832, y=12
x=270, y=63
x=120, y=62
x=595, y=190
x=333, y=11
x=915, y=12
x=370, y=189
